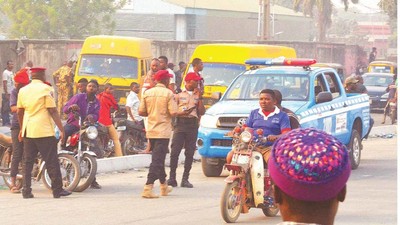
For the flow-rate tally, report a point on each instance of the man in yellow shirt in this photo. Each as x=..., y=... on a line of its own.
x=62, y=79
x=37, y=114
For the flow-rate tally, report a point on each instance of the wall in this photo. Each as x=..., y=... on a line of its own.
x=52, y=53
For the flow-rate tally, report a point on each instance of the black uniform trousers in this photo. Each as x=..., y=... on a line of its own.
x=47, y=146
x=159, y=150
x=185, y=135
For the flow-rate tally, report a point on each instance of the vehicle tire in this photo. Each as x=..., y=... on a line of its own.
x=211, y=170
x=132, y=145
x=70, y=172
x=230, y=208
x=88, y=166
x=6, y=163
x=271, y=211
x=354, y=149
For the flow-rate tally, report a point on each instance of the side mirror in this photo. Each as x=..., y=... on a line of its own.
x=216, y=95
x=324, y=96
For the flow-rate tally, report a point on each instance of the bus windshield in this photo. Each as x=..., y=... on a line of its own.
x=247, y=87
x=109, y=66
x=217, y=74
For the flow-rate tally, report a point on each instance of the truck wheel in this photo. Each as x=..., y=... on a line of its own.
x=211, y=170
x=354, y=149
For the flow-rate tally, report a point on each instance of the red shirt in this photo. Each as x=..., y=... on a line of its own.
x=107, y=101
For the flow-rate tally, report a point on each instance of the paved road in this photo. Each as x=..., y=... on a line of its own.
x=371, y=198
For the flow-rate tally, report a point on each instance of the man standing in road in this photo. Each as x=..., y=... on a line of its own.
x=179, y=74
x=132, y=104
x=62, y=79
x=159, y=106
x=36, y=113
x=8, y=84
x=372, y=55
x=164, y=66
x=190, y=108
x=197, y=65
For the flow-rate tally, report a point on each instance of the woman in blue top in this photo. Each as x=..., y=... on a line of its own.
x=269, y=118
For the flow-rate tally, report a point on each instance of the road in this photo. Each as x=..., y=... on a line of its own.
x=371, y=198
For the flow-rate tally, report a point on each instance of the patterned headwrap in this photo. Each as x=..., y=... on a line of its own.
x=309, y=164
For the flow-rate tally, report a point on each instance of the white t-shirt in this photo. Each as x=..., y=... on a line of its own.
x=132, y=101
x=9, y=77
x=172, y=80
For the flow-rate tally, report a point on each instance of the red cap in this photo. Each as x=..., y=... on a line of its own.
x=22, y=76
x=192, y=76
x=37, y=69
x=161, y=75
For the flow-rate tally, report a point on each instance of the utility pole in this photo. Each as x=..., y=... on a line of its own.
x=264, y=20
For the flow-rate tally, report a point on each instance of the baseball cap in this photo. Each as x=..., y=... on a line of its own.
x=22, y=76
x=309, y=164
x=192, y=76
x=351, y=80
x=161, y=75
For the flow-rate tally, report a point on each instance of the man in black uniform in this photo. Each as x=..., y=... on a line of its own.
x=36, y=110
x=190, y=108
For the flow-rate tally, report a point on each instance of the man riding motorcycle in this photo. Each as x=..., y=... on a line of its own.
x=87, y=106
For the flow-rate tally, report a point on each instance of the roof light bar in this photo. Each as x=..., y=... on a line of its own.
x=281, y=61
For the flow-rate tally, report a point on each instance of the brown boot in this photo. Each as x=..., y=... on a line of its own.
x=165, y=189
x=148, y=191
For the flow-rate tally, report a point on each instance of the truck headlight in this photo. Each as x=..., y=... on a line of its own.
x=92, y=132
x=209, y=121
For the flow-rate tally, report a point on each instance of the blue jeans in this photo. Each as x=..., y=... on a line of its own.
x=5, y=110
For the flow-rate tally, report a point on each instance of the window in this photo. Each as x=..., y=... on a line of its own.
x=109, y=66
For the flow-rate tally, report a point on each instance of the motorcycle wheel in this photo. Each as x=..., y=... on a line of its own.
x=88, y=167
x=132, y=146
x=70, y=173
x=6, y=163
x=271, y=211
x=230, y=208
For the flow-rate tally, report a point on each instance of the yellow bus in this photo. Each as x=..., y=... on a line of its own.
x=223, y=62
x=382, y=67
x=116, y=60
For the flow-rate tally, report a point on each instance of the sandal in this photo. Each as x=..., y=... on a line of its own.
x=15, y=190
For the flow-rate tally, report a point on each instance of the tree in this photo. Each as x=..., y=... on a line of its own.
x=390, y=8
x=42, y=19
x=324, y=9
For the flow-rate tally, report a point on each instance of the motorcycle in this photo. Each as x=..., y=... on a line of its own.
x=83, y=145
x=131, y=135
x=248, y=184
x=69, y=167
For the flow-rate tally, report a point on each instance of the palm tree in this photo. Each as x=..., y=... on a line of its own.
x=324, y=8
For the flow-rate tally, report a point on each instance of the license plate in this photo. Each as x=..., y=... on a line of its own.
x=121, y=128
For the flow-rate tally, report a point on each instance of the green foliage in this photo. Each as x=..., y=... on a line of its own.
x=42, y=19
x=389, y=7
x=324, y=9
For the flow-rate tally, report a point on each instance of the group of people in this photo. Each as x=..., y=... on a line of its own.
x=167, y=112
x=170, y=110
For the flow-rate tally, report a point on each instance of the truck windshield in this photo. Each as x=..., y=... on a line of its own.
x=109, y=66
x=293, y=87
x=218, y=74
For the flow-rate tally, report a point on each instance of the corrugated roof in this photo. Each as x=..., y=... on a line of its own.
x=232, y=5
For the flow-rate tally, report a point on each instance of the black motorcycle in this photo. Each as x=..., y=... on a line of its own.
x=132, y=135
